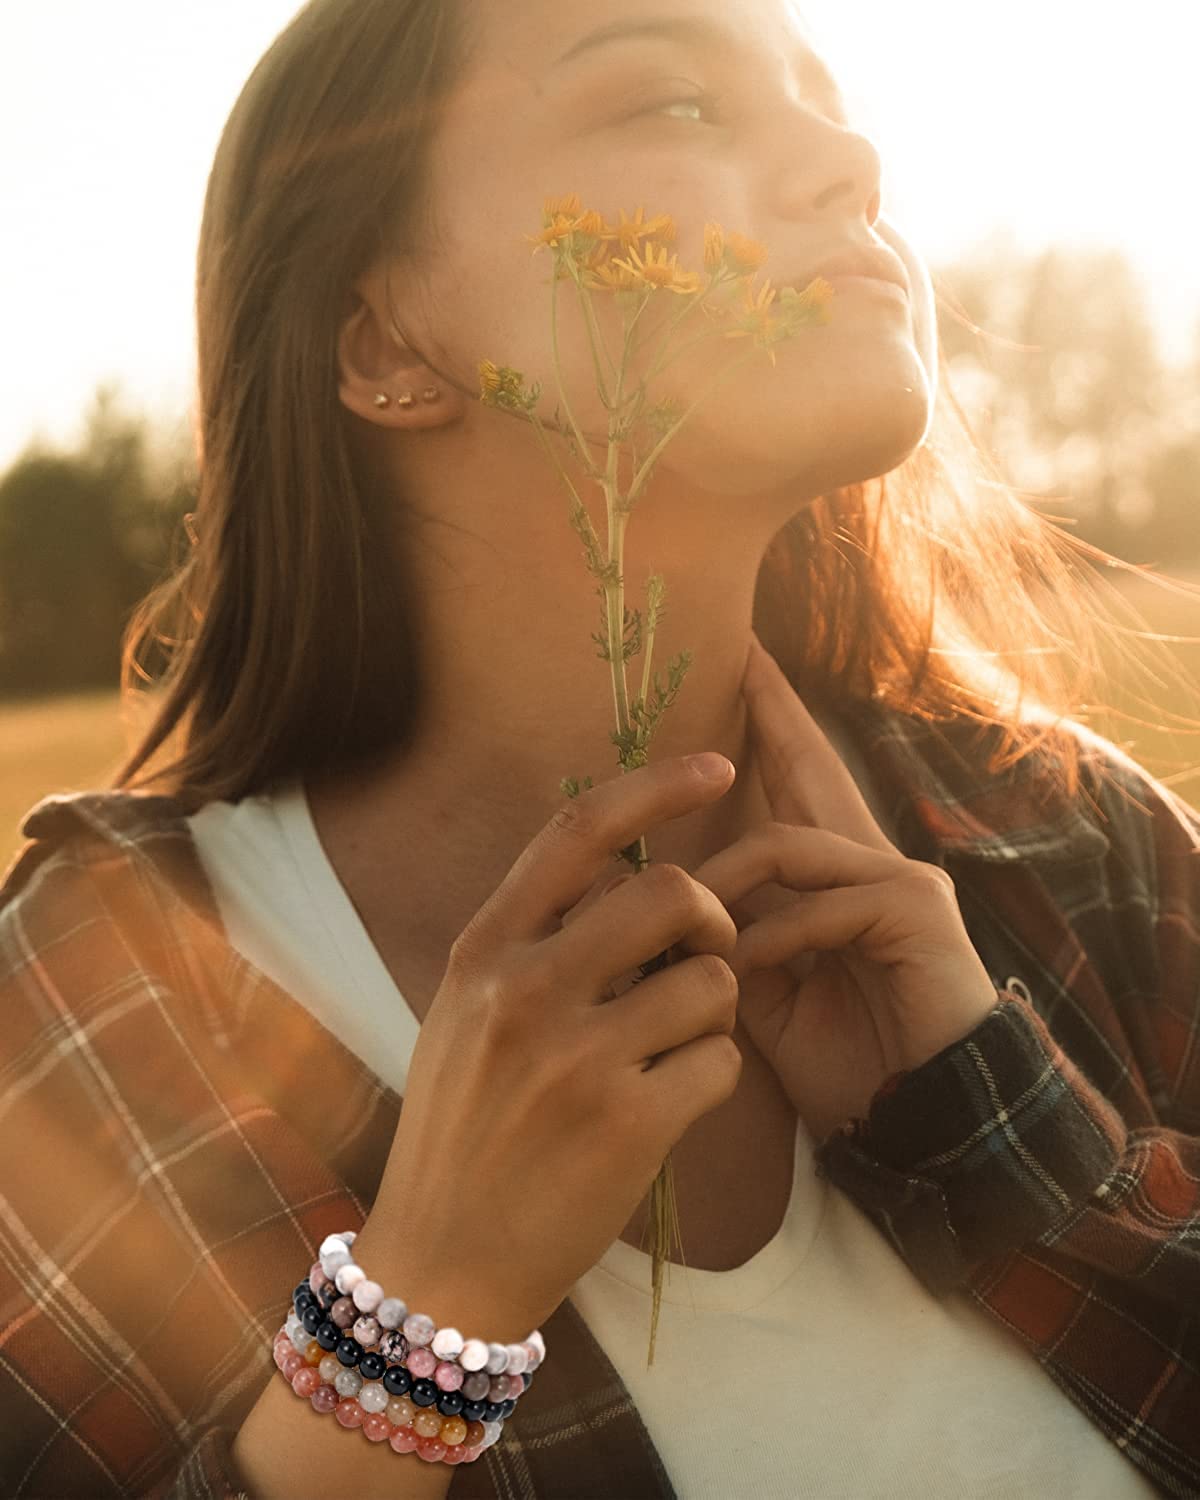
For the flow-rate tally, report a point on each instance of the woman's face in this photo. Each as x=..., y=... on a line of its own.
x=722, y=113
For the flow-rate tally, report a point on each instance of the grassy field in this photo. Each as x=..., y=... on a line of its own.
x=75, y=742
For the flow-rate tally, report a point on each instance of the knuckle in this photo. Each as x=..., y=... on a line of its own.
x=671, y=883
x=727, y=1062
x=933, y=875
x=576, y=819
x=719, y=975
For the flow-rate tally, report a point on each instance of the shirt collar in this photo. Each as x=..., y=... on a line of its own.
x=934, y=776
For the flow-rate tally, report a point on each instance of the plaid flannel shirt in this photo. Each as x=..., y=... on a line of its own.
x=180, y=1134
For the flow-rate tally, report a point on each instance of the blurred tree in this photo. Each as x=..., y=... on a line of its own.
x=82, y=538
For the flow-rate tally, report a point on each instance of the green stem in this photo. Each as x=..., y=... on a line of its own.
x=562, y=394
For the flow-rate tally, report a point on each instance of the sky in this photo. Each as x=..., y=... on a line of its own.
x=1055, y=121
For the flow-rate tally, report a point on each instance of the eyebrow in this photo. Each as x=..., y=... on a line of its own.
x=699, y=31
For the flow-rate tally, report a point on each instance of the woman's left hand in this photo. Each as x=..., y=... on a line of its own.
x=870, y=970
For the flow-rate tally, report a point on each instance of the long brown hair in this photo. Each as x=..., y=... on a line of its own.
x=287, y=632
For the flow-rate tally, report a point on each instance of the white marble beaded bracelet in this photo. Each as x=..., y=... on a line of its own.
x=390, y=1314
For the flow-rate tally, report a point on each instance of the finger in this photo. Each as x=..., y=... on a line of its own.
x=560, y=864
x=662, y=907
x=800, y=858
x=804, y=777
x=875, y=919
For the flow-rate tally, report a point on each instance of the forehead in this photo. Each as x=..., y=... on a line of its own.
x=545, y=41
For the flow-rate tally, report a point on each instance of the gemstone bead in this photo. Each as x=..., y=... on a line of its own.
x=349, y=1351
x=391, y=1312
x=476, y=1432
x=372, y=1365
x=422, y=1362
x=332, y=1263
x=449, y=1376
x=447, y=1343
x=419, y=1329
x=313, y=1354
x=474, y=1355
x=401, y=1411
x=329, y=1369
x=492, y=1411
x=455, y=1455
x=432, y=1450
x=475, y=1386
x=424, y=1393
x=348, y=1383
x=393, y=1345
x=330, y=1243
x=349, y=1236
x=404, y=1440
x=397, y=1380
x=527, y=1378
x=474, y=1410
x=450, y=1403
x=305, y=1381
x=316, y=1278
x=299, y=1338
x=498, y=1388
x=349, y=1413
x=292, y=1363
x=366, y=1330
x=328, y=1335
x=373, y=1397
x=518, y=1359
x=367, y=1296
x=453, y=1432
x=327, y=1294
x=492, y=1431
x=348, y=1277
x=312, y=1318
x=376, y=1427
x=507, y=1408
x=343, y=1312
x=324, y=1399
x=497, y=1361
x=427, y=1423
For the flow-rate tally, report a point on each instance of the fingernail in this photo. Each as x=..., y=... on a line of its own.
x=711, y=766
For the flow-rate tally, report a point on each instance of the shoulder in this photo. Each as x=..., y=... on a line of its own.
x=118, y=862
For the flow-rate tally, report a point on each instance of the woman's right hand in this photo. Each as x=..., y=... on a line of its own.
x=533, y=1122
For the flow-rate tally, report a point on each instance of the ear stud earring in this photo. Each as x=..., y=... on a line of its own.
x=406, y=398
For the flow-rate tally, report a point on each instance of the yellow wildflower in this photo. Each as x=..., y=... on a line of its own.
x=568, y=208
x=714, y=247
x=611, y=276
x=560, y=227
x=656, y=269
x=629, y=232
x=744, y=254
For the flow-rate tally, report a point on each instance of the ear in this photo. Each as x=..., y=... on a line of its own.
x=372, y=358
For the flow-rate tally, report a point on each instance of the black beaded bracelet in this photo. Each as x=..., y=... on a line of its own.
x=313, y=1313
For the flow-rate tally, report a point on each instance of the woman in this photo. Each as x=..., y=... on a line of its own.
x=938, y=1207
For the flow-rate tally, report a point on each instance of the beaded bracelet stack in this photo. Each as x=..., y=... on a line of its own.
x=394, y=1374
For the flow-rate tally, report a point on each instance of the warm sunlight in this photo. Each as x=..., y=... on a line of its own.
x=1067, y=122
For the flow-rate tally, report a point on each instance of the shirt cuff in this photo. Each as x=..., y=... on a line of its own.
x=987, y=1145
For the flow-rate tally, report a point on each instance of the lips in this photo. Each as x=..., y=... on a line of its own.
x=876, y=262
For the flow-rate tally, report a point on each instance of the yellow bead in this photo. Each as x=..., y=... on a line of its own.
x=427, y=1423
x=314, y=1354
x=454, y=1429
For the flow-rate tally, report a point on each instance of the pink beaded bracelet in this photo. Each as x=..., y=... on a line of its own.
x=414, y=1433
